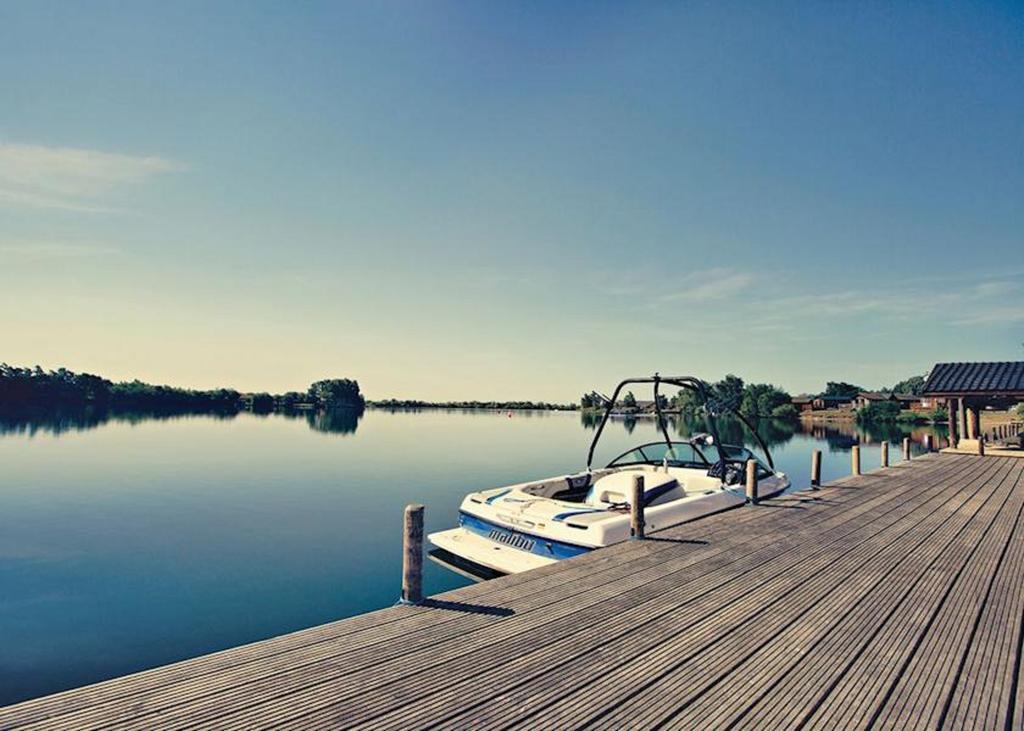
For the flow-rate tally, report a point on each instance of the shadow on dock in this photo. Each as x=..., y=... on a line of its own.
x=467, y=608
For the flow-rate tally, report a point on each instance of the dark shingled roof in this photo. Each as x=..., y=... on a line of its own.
x=976, y=378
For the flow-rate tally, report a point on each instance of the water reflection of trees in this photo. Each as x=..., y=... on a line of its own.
x=840, y=436
x=732, y=431
x=56, y=421
x=334, y=421
x=53, y=421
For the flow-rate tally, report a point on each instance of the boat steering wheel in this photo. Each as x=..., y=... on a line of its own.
x=733, y=475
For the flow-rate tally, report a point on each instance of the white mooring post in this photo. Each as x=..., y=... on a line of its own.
x=636, y=509
x=412, y=555
x=855, y=460
x=885, y=454
x=906, y=449
x=816, y=469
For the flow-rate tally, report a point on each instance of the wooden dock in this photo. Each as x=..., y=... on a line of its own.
x=890, y=599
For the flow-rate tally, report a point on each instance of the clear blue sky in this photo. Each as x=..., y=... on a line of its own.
x=514, y=200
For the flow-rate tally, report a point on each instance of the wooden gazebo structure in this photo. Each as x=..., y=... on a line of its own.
x=970, y=387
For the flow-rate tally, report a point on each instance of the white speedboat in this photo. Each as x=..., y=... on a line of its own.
x=506, y=530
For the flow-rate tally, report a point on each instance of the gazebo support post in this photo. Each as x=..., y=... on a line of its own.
x=951, y=418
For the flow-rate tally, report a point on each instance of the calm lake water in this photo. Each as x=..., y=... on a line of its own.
x=126, y=544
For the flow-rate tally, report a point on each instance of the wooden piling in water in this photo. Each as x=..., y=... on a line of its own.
x=816, y=469
x=906, y=448
x=412, y=555
x=855, y=460
x=636, y=509
x=885, y=453
x=752, y=481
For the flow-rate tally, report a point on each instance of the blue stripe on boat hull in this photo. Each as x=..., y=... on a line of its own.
x=541, y=546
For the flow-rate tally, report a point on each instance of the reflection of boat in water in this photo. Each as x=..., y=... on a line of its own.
x=511, y=529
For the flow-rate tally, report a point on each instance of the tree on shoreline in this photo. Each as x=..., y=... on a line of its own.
x=336, y=392
x=841, y=388
x=913, y=385
x=753, y=400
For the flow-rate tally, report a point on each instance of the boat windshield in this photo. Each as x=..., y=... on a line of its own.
x=678, y=454
x=685, y=454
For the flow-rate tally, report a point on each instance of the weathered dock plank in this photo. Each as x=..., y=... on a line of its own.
x=817, y=683
x=893, y=598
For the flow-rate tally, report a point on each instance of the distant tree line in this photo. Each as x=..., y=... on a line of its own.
x=913, y=386
x=755, y=400
x=36, y=388
x=393, y=403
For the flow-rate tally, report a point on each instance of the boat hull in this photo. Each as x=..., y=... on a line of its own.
x=489, y=554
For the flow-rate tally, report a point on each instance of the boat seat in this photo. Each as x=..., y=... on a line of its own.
x=618, y=486
x=701, y=484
